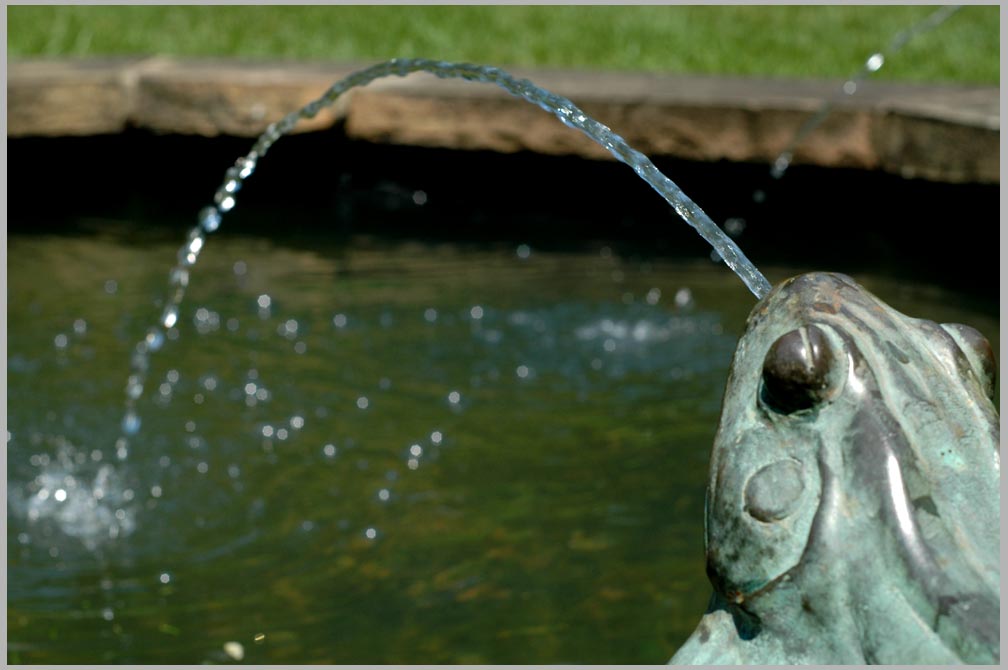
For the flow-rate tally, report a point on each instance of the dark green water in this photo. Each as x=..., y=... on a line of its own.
x=551, y=512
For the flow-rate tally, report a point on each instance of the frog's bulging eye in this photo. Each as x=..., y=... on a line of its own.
x=979, y=353
x=796, y=370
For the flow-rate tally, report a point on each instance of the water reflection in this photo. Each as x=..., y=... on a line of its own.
x=475, y=455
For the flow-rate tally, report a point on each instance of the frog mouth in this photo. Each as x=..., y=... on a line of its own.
x=725, y=635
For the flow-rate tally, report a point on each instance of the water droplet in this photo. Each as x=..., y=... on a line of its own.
x=245, y=167
x=196, y=244
x=134, y=389
x=297, y=422
x=234, y=650
x=164, y=578
x=734, y=226
x=436, y=437
x=875, y=61
x=430, y=315
x=170, y=316
x=186, y=257
x=850, y=87
x=131, y=423
x=179, y=277
x=202, y=467
x=80, y=326
x=339, y=320
x=209, y=219
x=371, y=533
x=151, y=342
x=683, y=297
x=155, y=491
x=522, y=371
x=225, y=201
x=780, y=165
x=416, y=450
x=111, y=286
x=329, y=450
x=523, y=251
x=264, y=301
x=476, y=312
x=362, y=402
x=60, y=341
x=108, y=614
x=384, y=495
x=454, y=397
x=419, y=198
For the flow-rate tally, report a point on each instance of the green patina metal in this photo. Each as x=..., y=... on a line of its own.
x=853, y=506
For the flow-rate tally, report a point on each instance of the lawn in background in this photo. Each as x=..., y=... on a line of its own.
x=775, y=41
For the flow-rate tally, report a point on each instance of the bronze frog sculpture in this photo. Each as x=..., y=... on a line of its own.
x=853, y=505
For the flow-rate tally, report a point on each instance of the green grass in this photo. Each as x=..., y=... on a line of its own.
x=778, y=41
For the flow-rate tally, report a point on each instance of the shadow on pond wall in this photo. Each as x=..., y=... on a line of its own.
x=323, y=184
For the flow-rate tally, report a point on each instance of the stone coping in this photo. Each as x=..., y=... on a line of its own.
x=937, y=132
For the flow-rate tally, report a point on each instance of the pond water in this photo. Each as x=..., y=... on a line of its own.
x=363, y=450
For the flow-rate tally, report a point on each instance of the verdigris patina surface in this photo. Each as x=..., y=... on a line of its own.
x=853, y=506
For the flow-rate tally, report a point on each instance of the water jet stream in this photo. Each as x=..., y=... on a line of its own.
x=872, y=64
x=209, y=218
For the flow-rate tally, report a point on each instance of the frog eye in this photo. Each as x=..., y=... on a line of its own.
x=796, y=370
x=979, y=353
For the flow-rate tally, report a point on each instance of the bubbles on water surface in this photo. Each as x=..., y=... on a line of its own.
x=71, y=492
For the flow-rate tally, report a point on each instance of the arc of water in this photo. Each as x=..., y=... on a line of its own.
x=565, y=110
x=209, y=218
x=871, y=65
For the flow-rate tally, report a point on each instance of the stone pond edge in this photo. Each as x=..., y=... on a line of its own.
x=948, y=133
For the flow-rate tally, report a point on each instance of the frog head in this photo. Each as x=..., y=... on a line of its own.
x=853, y=505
